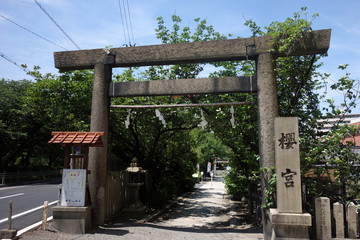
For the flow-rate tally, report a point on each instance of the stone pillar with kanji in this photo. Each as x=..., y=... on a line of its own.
x=288, y=220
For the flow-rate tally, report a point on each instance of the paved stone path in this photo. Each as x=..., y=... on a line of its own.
x=203, y=214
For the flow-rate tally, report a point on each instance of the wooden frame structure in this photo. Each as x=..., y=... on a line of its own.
x=77, y=139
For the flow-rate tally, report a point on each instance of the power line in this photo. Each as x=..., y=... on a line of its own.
x=13, y=62
x=52, y=19
x=33, y=32
x=131, y=28
x=122, y=21
x=126, y=21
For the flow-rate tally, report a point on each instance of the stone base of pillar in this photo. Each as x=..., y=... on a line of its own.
x=8, y=234
x=75, y=220
x=289, y=225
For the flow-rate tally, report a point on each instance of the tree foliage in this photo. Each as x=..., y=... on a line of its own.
x=332, y=165
x=14, y=131
x=31, y=110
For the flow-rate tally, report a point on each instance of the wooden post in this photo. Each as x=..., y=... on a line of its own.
x=8, y=233
x=86, y=158
x=17, y=176
x=3, y=177
x=10, y=216
x=67, y=157
x=44, y=215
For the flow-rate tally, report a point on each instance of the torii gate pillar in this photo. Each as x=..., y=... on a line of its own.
x=267, y=112
x=98, y=156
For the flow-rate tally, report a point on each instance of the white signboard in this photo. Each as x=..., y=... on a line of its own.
x=73, y=188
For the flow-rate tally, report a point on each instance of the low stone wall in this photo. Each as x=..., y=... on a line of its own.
x=339, y=222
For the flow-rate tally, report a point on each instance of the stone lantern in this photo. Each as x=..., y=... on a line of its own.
x=135, y=176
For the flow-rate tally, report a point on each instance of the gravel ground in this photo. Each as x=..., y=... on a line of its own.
x=204, y=214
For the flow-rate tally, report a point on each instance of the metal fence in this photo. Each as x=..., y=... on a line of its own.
x=17, y=177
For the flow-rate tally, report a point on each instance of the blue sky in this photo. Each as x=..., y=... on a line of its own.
x=96, y=24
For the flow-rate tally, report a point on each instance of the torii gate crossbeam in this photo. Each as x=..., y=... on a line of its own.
x=316, y=42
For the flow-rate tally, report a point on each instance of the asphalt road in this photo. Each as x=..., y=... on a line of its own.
x=25, y=200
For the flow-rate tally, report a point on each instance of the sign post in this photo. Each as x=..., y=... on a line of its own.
x=288, y=220
x=287, y=159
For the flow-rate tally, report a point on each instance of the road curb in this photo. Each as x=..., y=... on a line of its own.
x=32, y=227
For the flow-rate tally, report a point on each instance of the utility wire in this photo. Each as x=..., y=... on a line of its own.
x=122, y=21
x=52, y=19
x=13, y=62
x=131, y=28
x=33, y=32
x=126, y=22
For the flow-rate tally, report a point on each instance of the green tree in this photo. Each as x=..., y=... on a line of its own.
x=14, y=132
x=31, y=110
x=208, y=148
x=336, y=176
x=57, y=103
x=61, y=102
x=333, y=152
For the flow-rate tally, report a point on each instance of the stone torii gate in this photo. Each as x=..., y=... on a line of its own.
x=254, y=48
